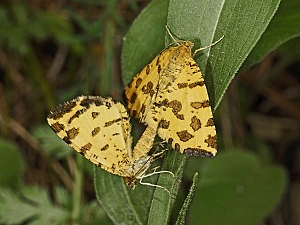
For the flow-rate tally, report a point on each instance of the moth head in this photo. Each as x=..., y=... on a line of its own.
x=130, y=182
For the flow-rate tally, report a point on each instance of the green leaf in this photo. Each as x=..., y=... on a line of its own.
x=33, y=206
x=12, y=209
x=126, y=206
x=123, y=205
x=187, y=202
x=51, y=143
x=93, y=214
x=237, y=188
x=145, y=39
x=62, y=196
x=242, y=22
x=11, y=164
x=283, y=27
x=162, y=203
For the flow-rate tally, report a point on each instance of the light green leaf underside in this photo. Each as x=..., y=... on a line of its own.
x=238, y=187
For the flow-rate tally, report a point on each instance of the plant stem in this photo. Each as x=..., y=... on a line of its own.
x=77, y=190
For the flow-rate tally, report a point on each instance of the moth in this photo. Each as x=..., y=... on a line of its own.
x=169, y=95
x=100, y=130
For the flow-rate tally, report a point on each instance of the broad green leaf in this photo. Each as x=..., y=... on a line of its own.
x=93, y=214
x=145, y=39
x=11, y=164
x=283, y=27
x=51, y=143
x=162, y=203
x=31, y=206
x=237, y=188
x=123, y=205
x=242, y=22
x=12, y=209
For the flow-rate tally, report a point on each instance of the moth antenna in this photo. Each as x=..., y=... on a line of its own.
x=155, y=185
x=200, y=49
x=174, y=40
x=157, y=172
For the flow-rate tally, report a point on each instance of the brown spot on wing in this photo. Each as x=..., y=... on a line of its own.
x=76, y=115
x=211, y=141
x=192, y=64
x=176, y=107
x=195, y=84
x=134, y=113
x=67, y=140
x=113, y=167
x=143, y=108
x=109, y=123
x=159, y=104
x=210, y=122
x=59, y=111
x=158, y=69
x=198, y=105
x=133, y=98
x=198, y=152
x=164, y=124
x=95, y=114
x=57, y=127
x=157, y=61
x=195, y=123
x=104, y=148
x=95, y=131
x=148, y=69
x=180, y=116
x=148, y=89
x=85, y=148
x=88, y=101
x=72, y=133
x=94, y=156
x=184, y=135
x=138, y=82
x=182, y=85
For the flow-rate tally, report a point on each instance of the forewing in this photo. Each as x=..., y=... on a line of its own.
x=97, y=128
x=141, y=92
x=169, y=95
x=186, y=119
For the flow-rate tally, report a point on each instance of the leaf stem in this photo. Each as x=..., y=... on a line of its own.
x=77, y=190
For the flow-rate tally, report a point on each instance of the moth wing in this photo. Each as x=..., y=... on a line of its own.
x=97, y=128
x=186, y=119
x=141, y=92
x=178, y=106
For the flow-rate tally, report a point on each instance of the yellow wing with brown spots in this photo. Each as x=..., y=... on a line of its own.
x=141, y=92
x=97, y=128
x=186, y=120
x=179, y=107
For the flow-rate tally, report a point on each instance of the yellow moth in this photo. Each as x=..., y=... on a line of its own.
x=169, y=95
x=99, y=129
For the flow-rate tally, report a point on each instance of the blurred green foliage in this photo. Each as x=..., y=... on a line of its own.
x=53, y=51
